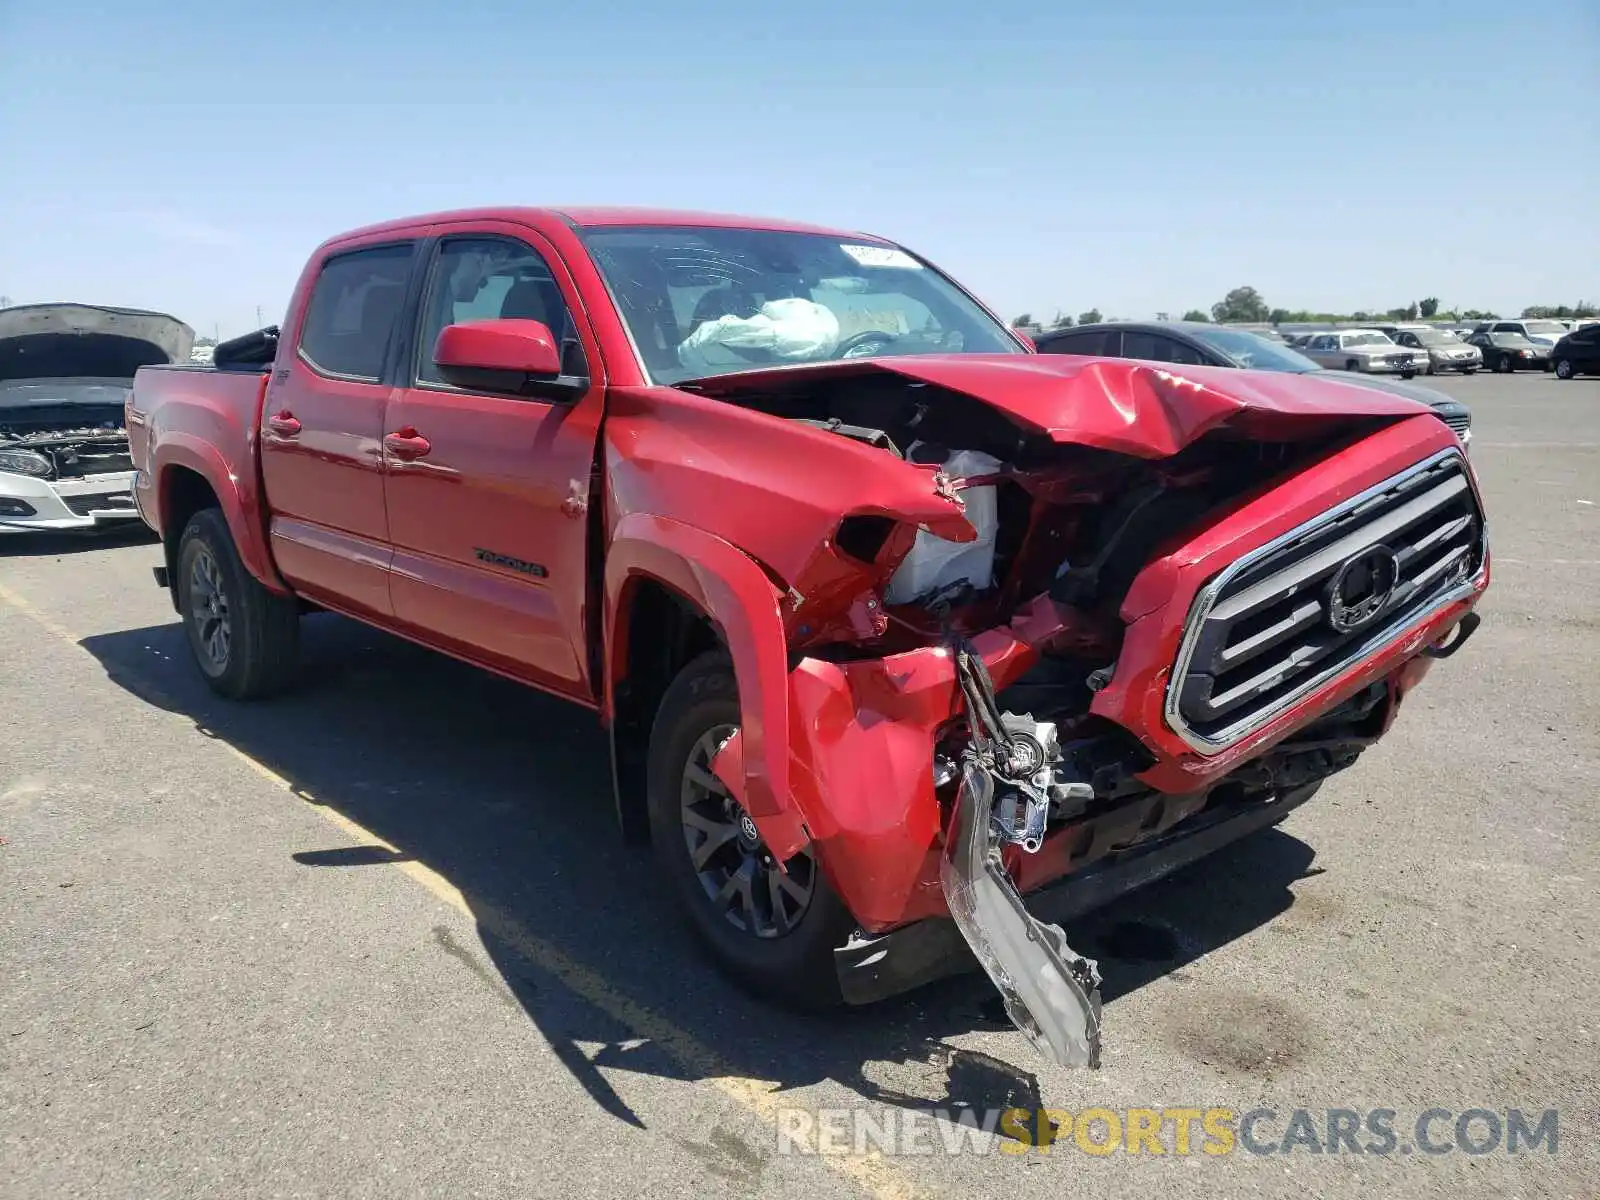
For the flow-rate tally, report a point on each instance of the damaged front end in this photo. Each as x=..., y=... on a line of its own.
x=65, y=374
x=1043, y=647
x=1011, y=775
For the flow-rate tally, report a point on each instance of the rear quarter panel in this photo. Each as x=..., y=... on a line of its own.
x=202, y=420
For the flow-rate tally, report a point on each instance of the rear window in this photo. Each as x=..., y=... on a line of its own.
x=353, y=311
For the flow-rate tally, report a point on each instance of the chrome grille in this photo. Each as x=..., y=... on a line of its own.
x=1323, y=598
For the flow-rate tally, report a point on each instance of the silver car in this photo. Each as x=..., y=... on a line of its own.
x=1364, y=350
x=1445, y=351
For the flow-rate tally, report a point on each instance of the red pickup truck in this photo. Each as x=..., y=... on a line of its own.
x=893, y=622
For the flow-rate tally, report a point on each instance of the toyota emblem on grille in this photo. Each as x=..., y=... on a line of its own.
x=1361, y=588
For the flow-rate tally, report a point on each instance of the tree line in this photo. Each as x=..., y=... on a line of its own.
x=1244, y=305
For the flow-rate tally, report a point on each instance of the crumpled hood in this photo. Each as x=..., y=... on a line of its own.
x=57, y=341
x=1119, y=405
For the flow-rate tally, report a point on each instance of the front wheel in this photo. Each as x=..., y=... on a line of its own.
x=773, y=930
x=1503, y=365
x=1564, y=368
x=1351, y=364
x=1408, y=374
x=245, y=639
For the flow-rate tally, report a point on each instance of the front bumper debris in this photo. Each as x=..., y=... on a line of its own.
x=875, y=967
x=1012, y=777
x=1051, y=992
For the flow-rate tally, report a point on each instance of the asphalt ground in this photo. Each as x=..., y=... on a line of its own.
x=376, y=937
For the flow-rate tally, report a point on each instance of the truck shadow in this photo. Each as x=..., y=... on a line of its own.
x=51, y=544
x=506, y=794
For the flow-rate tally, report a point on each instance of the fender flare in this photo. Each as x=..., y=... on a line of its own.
x=240, y=511
x=733, y=590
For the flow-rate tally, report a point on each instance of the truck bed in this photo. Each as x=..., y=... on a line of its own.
x=206, y=418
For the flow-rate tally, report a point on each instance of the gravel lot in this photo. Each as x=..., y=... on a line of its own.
x=377, y=937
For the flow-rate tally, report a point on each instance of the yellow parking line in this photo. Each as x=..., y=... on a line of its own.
x=877, y=1176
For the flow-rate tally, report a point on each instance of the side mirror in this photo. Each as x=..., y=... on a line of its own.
x=506, y=355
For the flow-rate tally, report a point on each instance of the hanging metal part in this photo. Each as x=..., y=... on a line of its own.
x=1051, y=993
x=1011, y=773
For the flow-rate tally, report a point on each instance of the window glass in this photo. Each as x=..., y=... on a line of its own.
x=484, y=279
x=703, y=301
x=1156, y=348
x=353, y=309
x=1093, y=343
x=1246, y=349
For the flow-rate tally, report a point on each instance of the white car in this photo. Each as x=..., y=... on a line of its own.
x=65, y=371
x=1366, y=350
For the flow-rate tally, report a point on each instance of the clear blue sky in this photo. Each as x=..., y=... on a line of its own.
x=1136, y=156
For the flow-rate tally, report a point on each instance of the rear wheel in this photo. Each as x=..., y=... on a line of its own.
x=245, y=639
x=1564, y=368
x=773, y=930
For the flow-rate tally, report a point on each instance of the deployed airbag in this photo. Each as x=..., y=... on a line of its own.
x=789, y=330
x=935, y=563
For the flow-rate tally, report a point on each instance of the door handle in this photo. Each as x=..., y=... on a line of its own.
x=407, y=444
x=283, y=424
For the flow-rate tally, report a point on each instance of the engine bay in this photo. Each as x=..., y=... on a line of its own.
x=72, y=440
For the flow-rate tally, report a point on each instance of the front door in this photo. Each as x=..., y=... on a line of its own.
x=487, y=493
x=321, y=431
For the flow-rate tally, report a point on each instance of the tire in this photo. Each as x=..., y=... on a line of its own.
x=245, y=639
x=1563, y=368
x=1351, y=364
x=793, y=966
x=1432, y=370
x=1503, y=365
x=1408, y=374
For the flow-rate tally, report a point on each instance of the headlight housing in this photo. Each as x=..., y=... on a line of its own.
x=25, y=462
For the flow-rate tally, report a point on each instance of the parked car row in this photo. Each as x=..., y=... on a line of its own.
x=1404, y=350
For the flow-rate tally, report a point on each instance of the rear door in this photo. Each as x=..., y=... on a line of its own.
x=487, y=493
x=1323, y=349
x=321, y=429
x=1158, y=347
x=1091, y=342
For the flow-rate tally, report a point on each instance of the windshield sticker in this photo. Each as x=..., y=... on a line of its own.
x=881, y=256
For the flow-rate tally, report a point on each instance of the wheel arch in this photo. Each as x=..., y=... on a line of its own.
x=672, y=580
x=192, y=475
